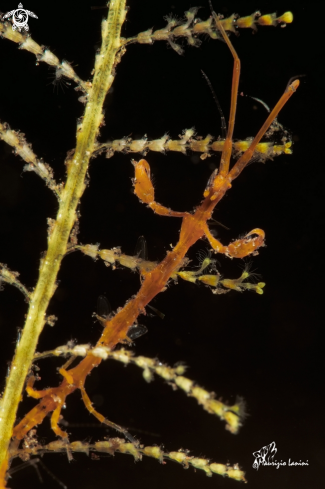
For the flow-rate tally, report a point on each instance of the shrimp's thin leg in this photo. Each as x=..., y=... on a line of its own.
x=245, y=158
x=227, y=149
x=103, y=420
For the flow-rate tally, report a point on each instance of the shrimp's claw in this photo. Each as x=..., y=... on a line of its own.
x=143, y=187
x=246, y=246
x=145, y=192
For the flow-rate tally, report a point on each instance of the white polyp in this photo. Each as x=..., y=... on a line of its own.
x=158, y=144
x=11, y=138
x=90, y=250
x=60, y=350
x=138, y=145
x=188, y=134
x=108, y=255
x=100, y=352
x=122, y=357
x=31, y=46
x=165, y=373
x=145, y=37
x=141, y=362
x=67, y=70
x=80, y=350
x=50, y=58
x=184, y=383
x=43, y=168
x=26, y=153
x=119, y=144
x=147, y=375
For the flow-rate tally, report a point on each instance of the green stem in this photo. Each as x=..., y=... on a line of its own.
x=57, y=243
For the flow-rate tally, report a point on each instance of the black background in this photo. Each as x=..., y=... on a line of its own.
x=267, y=348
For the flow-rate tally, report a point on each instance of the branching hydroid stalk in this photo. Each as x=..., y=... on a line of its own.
x=57, y=243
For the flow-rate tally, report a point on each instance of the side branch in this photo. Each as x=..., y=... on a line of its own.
x=188, y=141
x=42, y=54
x=24, y=150
x=111, y=445
x=191, y=27
x=10, y=277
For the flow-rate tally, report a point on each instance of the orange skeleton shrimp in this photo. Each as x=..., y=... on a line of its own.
x=194, y=226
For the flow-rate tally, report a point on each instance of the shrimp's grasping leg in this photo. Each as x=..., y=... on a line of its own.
x=239, y=248
x=145, y=192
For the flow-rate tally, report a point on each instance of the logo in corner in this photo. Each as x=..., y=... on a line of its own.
x=19, y=18
x=265, y=455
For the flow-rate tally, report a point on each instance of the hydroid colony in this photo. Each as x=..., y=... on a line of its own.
x=20, y=439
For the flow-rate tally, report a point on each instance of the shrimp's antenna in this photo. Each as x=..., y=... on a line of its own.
x=213, y=222
x=141, y=248
x=222, y=117
x=266, y=107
